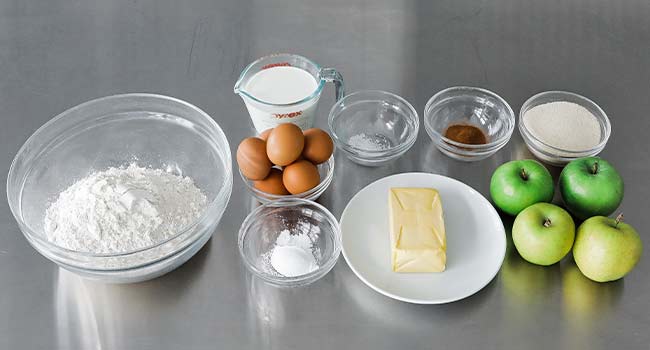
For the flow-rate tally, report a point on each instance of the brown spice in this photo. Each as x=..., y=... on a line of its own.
x=467, y=134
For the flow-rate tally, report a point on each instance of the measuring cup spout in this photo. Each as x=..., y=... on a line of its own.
x=245, y=74
x=236, y=89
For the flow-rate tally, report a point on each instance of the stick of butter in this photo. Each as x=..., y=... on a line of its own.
x=417, y=230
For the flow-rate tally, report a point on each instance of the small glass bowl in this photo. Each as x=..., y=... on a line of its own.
x=557, y=156
x=373, y=127
x=261, y=228
x=474, y=106
x=326, y=171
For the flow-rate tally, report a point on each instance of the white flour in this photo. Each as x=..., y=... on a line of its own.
x=123, y=209
x=563, y=125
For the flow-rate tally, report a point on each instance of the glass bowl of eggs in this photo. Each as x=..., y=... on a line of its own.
x=286, y=163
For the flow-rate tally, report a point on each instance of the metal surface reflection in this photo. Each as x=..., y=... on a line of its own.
x=584, y=301
x=95, y=315
x=76, y=313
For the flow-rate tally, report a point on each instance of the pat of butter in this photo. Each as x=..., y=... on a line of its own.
x=417, y=230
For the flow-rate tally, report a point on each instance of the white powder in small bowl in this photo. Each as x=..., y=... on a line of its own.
x=564, y=125
x=368, y=142
x=292, y=255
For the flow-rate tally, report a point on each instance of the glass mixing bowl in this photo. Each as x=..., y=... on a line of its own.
x=474, y=106
x=373, y=127
x=261, y=228
x=150, y=130
x=326, y=171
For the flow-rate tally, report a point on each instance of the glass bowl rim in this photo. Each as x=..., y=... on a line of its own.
x=510, y=117
x=282, y=280
x=220, y=198
x=325, y=182
x=372, y=154
x=601, y=116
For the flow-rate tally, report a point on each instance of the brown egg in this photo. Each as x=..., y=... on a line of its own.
x=272, y=184
x=252, y=159
x=318, y=146
x=265, y=134
x=284, y=144
x=300, y=176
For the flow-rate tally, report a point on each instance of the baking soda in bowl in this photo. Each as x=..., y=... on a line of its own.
x=292, y=254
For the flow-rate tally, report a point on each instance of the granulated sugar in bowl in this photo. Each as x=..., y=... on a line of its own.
x=559, y=127
x=564, y=125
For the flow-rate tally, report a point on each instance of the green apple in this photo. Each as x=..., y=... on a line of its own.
x=590, y=186
x=523, y=282
x=518, y=184
x=543, y=233
x=606, y=249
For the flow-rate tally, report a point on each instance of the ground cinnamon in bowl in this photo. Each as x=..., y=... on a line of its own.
x=466, y=133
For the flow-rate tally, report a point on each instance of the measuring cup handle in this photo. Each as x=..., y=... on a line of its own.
x=333, y=76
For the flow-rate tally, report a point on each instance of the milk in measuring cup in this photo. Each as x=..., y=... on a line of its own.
x=282, y=85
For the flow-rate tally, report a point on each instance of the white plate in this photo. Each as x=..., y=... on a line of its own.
x=476, y=241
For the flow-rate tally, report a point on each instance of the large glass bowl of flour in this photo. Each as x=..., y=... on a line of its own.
x=152, y=131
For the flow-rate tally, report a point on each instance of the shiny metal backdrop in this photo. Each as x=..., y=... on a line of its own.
x=56, y=54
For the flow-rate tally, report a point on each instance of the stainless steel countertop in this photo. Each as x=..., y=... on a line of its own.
x=55, y=54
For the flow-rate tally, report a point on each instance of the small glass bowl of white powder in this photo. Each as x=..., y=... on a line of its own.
x=559, y=126
x=373, y=127
x=290, y=242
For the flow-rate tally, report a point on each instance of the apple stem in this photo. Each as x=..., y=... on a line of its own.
x=547, y=222
x=594, y=168
x=619, y=218
x=524, y=175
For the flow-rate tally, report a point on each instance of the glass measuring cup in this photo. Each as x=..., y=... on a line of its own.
x=266, y=115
